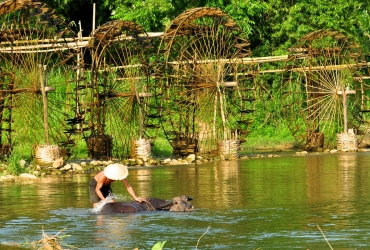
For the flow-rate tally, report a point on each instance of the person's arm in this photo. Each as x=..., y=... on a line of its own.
x=99, y=185
x=131, y=191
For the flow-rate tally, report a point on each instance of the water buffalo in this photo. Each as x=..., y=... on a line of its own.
x=176, y=204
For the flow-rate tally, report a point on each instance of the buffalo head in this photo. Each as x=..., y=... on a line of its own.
x=178, y=204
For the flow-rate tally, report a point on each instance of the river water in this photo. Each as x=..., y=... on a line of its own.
x=290, y=202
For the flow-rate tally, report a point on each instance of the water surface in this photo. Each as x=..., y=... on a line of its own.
x=268, y=203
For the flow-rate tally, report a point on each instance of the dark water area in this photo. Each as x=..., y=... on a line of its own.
x=267, y=203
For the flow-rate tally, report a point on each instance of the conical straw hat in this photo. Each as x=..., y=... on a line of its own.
x=116, y=171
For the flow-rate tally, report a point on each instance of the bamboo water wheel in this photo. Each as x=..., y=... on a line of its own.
x=124, y=101
x=34, y=76
x=324, y=91
x=208, y=96
x=202, y=95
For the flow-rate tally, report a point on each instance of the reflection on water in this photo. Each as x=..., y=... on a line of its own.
x=108, y=229
x=258, y=203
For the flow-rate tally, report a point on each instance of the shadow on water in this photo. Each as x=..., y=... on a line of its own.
x=268, y=203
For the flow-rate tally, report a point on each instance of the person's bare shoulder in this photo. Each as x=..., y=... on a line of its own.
x=100, y=177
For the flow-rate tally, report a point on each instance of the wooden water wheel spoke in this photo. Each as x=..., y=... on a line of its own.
x=313, y=89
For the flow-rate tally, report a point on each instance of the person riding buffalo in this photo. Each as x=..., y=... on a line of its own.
x=100, y=184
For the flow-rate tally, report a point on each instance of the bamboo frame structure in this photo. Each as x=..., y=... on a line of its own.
x=198, y=94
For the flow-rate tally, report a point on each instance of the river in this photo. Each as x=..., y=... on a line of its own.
x=302, y=202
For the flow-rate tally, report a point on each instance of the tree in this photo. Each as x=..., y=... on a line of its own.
x=292, y=20
x=81, y=11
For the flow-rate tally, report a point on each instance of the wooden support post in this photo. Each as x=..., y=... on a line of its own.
x=344, y=93
x=94, y=11
x=345, y=113
x=42, y=69
x=222, y=111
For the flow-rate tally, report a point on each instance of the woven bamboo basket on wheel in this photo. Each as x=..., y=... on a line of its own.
x=46, y=154
x=99, y=146
x=347, y=141
x=229, y=149
x=141, y=148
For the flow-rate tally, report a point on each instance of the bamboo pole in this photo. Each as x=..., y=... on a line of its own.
x=72, y=39
x=44, y=47
x=78, y=76
x=244, y=60
x=344, y=92
x=214, y=132
x=345, y=115
x=42, y=69
x=222, y=111
x=259, y=60
x=93, y=24
x=141, y=116
x=46, y=41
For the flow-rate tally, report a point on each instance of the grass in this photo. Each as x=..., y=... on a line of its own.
x=270, y=138
x=80, y=150
x=268, y=143
x=161, y=148
x=15, y=163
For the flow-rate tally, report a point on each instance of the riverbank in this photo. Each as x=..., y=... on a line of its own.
x=33, y=172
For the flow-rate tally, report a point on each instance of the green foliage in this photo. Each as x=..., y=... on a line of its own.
x=269, y=137
x=80, y=150
x=159, y=245
x=364, y=26
x=162, y=147
x=272, y=25
x=251, y=17
x=14, y=165
x=152, y=15
x=292, y=20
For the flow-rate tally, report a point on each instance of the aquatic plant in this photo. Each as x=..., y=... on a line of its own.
x=159, y=245
x=52, y=242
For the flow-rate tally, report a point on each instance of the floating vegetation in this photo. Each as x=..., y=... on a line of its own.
x=48, y=242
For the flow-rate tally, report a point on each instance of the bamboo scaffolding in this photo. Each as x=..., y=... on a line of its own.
x=73, y=43
x=72, y=39
x=244, y=60
x=43, y=47
x=62, y=44
x=260, y=60
x=51, y=41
